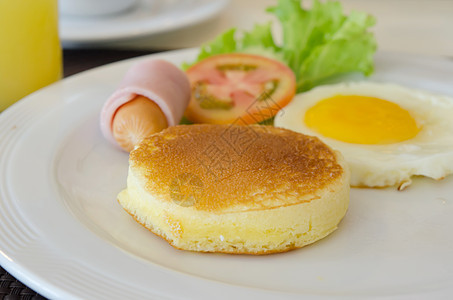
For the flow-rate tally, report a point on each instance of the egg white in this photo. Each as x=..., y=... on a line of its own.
x=429, y=153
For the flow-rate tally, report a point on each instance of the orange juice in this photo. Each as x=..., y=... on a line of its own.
x=30, y=52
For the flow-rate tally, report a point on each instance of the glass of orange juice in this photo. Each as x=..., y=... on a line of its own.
x=30, y=51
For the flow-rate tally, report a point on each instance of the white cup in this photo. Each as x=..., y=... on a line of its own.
x=94, y=8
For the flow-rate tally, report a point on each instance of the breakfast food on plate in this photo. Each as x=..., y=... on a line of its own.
x=240, y=88
x=236, y=189
x=242, y=79
x=152, y=96
x=387, y=133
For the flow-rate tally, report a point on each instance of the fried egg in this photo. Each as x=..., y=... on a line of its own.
x=387, y=133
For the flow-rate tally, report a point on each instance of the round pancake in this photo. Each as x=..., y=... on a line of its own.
x=236, y=189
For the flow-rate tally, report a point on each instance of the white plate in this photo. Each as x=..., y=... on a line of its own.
x=147, y=17
x=63, y=233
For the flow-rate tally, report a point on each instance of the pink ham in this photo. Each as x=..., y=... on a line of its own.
x=157, y=80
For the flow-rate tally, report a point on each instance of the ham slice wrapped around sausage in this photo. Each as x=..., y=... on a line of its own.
x=152, y=95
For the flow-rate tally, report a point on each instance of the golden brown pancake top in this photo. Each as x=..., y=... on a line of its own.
x=226, y=168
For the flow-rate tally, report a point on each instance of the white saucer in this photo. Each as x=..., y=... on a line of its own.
x=147, y=17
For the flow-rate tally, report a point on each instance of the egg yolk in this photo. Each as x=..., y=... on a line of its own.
x=361, y=120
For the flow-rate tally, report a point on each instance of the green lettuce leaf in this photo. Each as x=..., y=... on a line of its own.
x=323, y=42
x=224, y=43
x=318, y=43
x=260, y=35
x=257, y=41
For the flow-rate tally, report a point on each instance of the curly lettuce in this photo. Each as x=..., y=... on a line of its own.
x=318, y=43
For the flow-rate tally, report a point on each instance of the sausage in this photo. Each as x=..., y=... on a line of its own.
x=127, y=117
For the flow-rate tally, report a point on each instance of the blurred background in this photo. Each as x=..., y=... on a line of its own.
x=412, y=26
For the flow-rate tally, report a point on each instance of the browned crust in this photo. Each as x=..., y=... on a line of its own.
x=250, y=167
x=170, y=242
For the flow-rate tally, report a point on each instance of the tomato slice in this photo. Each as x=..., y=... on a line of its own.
x=238, y=88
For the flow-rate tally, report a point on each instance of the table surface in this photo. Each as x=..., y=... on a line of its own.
x=410, y=26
